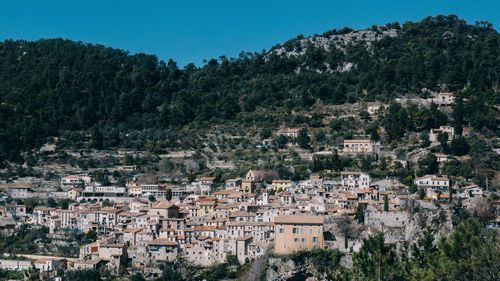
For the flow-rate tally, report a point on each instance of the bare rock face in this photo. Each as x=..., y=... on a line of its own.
x=282, y=269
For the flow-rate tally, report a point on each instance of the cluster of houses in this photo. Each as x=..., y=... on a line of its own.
x=206, y=224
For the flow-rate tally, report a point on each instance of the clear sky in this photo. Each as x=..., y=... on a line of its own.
x=190, y=31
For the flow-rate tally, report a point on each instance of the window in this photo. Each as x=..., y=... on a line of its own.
x=315, y=239
x=301, y=231
x=303, y=240
x=294, y=230
x=310, y=231
x=282, y=230
x=295, y=239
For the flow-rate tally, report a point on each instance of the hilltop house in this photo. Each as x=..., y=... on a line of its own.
x=444, y=99
x=255, y=175
x=433, y=182
x=359, y=146
x=289, y=132
x=354, y=180
x=433, y=135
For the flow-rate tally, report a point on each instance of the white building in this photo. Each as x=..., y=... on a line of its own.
x=441, y=157
x=354, y=180
x=358, y=146
x=157, y=190
x=289, y=132
x=433, y=182
x=444, y=99
x=21, y=191
x=97, y=191
x=281, y=184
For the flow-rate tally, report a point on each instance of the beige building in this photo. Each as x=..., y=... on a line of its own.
x=354, y=180
x=248, y=186
x=444, y=99
x=434, y=133
x=281, y=184
x=357, y=146
x=296, y=232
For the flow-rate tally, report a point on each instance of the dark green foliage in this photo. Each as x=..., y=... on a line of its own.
x=396, y=122
x=421, y=193
x=91, y=235
x=281, y=141
x=137, y=277
x=265, y=133
x=428, y=165
x=87, y=275
x=168, y=194
x=303, y=138
x=376, y=260
x=459, y=146
x=21, y=241
x=102, y=97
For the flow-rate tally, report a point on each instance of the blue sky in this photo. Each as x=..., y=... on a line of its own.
x=190, y=31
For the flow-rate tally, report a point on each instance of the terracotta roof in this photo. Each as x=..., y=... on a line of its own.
x=162, y=242
x=224, y=192
x=165, y=204
x=291, y=219
x=244, y=238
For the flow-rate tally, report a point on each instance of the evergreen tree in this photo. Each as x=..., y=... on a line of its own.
x=168, y=194
x=376, y=260
x=303, y=138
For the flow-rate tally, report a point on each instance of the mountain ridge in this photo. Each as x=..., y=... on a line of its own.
x=53, y=86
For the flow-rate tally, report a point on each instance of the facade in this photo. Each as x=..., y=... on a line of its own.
x=434, y=133
x=254, y=175
x=157, y=190
x=297, y=232
x=97, y=191
x=72, y=181
x=20, y=192
x=358, y=146
x=354, y=180
x=74, y=193
x=444, y=99
x=433, y=182
x=248, y=186
x=281, y=184
x=133, y=189
x=289, y=132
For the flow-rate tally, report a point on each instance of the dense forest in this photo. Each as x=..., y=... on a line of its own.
x=80, y=91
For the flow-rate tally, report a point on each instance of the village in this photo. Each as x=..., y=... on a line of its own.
x=206, y=221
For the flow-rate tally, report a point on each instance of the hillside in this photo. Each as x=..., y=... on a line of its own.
x=79, y=91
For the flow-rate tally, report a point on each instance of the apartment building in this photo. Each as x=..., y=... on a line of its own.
x=297, y=232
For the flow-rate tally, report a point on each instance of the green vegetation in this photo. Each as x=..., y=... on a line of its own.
x=96, y=97
x=471, y=252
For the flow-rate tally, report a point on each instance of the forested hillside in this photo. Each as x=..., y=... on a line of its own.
x=54, y=87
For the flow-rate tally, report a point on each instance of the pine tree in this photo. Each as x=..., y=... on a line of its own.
x=168, y=194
